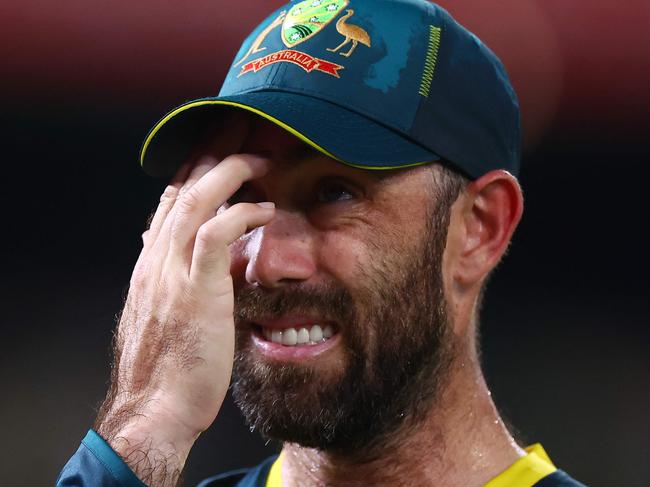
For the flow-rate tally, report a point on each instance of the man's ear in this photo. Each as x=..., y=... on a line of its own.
x=492, y=207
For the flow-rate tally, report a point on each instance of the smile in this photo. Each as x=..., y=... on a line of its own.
x=291, y=337
x=294, y=339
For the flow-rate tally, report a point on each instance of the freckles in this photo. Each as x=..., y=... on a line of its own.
x=342, y=255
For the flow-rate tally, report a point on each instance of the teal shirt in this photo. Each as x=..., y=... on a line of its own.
x=95, y=464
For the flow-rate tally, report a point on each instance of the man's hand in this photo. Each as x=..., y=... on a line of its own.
x=174, y=344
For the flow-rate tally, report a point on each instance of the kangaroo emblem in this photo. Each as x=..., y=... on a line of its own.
x=256, y=45
x=352, y=33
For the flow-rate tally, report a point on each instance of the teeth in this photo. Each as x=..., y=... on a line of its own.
x=303, y=336
x=316, y=333
x=291, y=336
x=276, y=336
x=328, y=332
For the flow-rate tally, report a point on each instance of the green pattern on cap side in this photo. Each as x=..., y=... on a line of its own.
x=430, y=60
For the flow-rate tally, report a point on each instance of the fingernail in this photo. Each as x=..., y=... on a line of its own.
x=266, y=204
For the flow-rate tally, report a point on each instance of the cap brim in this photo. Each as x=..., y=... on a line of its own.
x=337, y=132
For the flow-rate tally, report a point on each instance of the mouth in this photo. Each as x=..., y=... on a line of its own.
x=295, y=338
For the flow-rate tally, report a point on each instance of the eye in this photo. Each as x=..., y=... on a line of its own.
x=331, y=191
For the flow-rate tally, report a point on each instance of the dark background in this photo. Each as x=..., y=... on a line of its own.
x=565, y=324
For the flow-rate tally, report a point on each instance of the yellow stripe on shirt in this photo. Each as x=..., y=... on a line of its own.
x=525, y=472
x=275, y=474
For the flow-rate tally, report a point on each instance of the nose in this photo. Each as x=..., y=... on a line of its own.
x=281, y=251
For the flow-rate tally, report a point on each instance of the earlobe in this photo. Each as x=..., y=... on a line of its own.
x=492, y=209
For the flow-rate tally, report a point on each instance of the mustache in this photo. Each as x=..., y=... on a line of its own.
x=328, y=301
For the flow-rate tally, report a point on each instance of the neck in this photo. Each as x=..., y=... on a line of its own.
x=344, y=17
x=461, y=442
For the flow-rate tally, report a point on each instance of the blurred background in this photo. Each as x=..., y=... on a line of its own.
x=565, y=325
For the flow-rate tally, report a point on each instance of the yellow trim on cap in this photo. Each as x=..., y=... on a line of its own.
x=199, y=103
x=280, y=123
x=526, y=471
x=275, y=474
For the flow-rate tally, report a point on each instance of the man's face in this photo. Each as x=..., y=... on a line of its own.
x=342, y=332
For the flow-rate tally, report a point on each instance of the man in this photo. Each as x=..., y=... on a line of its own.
x=361, y=159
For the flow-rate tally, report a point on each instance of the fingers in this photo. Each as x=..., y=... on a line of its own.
x=211, y=256
x=220, y=140
x=199, y=203
x=167, y=200
x=201, y=167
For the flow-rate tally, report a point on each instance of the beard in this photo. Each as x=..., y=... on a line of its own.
x=397, y=344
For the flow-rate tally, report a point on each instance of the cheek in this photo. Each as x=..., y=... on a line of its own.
x=383, y=237
x=341, y=256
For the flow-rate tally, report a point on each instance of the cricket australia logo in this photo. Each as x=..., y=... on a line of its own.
x=307, y=18
x=302, y=22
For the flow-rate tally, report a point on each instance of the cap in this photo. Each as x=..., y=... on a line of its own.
x=376, y=84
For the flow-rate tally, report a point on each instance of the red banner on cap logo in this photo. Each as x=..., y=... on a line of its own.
x=305, y=61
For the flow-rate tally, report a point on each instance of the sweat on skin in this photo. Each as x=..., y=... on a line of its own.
x=291, y=219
